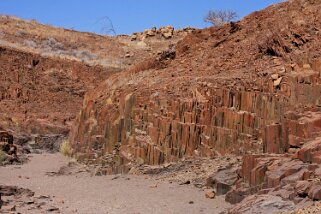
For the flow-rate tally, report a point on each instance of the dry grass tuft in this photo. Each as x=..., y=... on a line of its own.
x=2, y=154
x=65, y=148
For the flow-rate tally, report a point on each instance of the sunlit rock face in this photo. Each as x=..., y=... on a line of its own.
x=243, y=88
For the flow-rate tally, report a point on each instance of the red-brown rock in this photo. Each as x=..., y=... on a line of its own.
x=210, y=194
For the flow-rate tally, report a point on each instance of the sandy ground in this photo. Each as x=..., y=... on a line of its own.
x=83, y=193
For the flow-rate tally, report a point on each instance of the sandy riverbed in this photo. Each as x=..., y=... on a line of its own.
x=83, y=193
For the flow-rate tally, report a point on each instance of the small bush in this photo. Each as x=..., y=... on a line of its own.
x=84, y=55
x=52, y=45
x=65, y=148
x=30, y=44
x=20, y=33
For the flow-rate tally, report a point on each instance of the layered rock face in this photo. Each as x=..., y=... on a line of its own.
x=223, y=93
x=215, y=122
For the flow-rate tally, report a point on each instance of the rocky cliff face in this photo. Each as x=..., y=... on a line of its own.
x=247, y=87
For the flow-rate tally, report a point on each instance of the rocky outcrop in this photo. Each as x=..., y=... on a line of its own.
x=223, y=180
x=217, y=96
x=164, y=32
x=211, y=123
x=167, y=32
x=292, y=177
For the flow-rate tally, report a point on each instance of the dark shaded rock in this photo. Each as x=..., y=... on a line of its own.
x=235, y=196
x=49, y=143
x=1, y=201
x=223, y=180
x=13, y=190
x=52, y=209
x=185, y=183
x=6, y=137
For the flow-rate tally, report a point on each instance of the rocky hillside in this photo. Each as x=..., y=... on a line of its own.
x=245, y=88
x=118, y=52
x=41, y=94
x=45, y=71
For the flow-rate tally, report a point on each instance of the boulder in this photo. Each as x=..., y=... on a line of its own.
x=223, y=180
x=278, y=81
x=315, y=192
x=210, y=194
x=235, y=196
x=133, y=37
x=275, y=76
x=310, y=152
x=302, y=188
x=297, y=176
x=167, y=32
x=149, y=33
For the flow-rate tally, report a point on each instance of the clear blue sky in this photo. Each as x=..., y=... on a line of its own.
x=128, y=16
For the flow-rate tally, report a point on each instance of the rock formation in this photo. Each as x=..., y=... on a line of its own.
x=248, y=88
x=45, y=72
x=223, y=93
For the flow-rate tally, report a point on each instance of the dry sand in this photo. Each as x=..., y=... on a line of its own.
x=83, y=193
